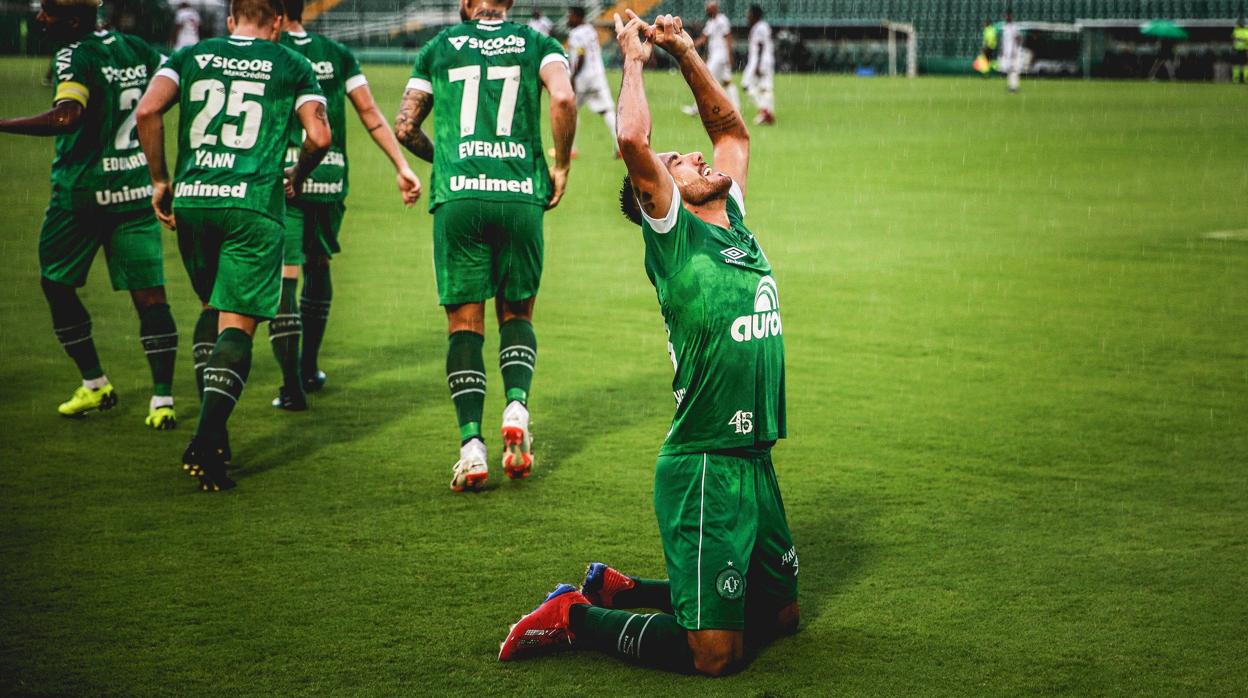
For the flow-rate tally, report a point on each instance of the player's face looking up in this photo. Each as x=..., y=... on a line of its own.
x=697, y=182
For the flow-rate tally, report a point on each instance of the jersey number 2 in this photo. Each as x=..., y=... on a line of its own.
x=126, y=101
x=470, y=75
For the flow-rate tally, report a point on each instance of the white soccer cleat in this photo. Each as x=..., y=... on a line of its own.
x=517, y=441
x=471, y=471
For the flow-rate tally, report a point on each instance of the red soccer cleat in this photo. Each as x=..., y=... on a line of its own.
x=602, y=583
x=543, y=630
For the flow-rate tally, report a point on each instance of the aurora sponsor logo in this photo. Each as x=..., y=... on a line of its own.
x=483, y=183
x=105, y=197
x=765, y=320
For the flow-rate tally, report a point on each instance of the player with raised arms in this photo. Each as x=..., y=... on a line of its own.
x=314, y=216
x=99, y=199
x=483, y=81
x=731, y=563
x=236, y=97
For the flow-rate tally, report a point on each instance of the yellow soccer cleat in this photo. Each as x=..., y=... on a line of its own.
x=86, y=399
x=162, y=418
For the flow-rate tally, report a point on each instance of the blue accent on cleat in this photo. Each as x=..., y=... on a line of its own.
x=593, y=577
x=559, y=591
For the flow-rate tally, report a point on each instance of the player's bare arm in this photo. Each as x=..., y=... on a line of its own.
x=379, y=130
x=161, y=94
x=651, y=182
x=562, y=125
x=408, y=124
x=64, y=117
x=722, y=121
x=316, y=142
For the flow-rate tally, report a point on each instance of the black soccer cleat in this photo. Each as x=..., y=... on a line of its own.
x=315, y=381
x=203, y=461
x=291, y=400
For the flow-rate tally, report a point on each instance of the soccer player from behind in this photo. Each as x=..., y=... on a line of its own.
x=314, y=216
x=1011, y=53
x=717, y=38
x=236, y=96
x=483, y=80
x=732, y=566
x=589, y=76
x=99, y=199
x=760, y=68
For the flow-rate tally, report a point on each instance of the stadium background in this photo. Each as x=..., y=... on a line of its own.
x=1016, y=331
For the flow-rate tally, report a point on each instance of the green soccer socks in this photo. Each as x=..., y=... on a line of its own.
x=318, y=291
x=225, y=376
x=646, y=593
x=72, y=325
x=652, y=639
x=517, y=355
x=465, y=376
x=284, y=331
x=159, y=337
x=202, y=341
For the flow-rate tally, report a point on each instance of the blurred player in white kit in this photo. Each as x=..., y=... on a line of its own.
x=589, y=76
x=1011, y=60
x=185, y=26
x=760, y=68
x=717, y=38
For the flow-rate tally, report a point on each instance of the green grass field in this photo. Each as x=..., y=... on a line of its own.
x=1017, y=410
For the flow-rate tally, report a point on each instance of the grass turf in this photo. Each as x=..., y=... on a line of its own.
x=1017, y=408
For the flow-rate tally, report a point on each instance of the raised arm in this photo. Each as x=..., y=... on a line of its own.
x=316, y=141
x=149, y=117
x=379, y=129
x=417, y=103
x=64, y=117
x=723, y=123
x=652, y=185
x=562, y=125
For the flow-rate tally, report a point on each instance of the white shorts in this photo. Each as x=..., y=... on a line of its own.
x=720, y=67
x=766, y=81
x=596, y=95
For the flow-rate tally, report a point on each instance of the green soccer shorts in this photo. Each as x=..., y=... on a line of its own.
x=482, y=249
x=312, y=229
x=725, y=537
x=69, y=241
x=234, y=258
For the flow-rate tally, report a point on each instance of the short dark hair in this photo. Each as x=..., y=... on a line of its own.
x=294, y=10
x=628, y=201
x=577, y=10
x=258, y=11
x=757, y=10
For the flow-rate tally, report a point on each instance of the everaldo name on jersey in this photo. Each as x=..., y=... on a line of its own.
x=497, y=46
x=765, y=320
x=236, y=67
x=491, y=149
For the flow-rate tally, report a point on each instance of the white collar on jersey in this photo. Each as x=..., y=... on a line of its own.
x=298, y=35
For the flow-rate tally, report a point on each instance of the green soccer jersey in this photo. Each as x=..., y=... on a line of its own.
x=722, y=312
x=485, y=78
x=338, y=73
x=237, y=98
x=100, y=163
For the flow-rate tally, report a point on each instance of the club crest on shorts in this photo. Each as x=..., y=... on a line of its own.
x=730, y=584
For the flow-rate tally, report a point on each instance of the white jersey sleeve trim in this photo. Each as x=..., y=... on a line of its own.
x=664, y=225
x=420, y=84
x=169, y=73
x=355, y=82
x=551, y=58
x=738, y=196
x=304, y=99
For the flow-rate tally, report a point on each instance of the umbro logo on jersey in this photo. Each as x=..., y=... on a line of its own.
x=734, y=253
x=458, y=41
x=765, y=321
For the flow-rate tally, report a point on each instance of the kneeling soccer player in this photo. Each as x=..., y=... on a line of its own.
x=99, y=199
x=731, y=561
x=236, y=96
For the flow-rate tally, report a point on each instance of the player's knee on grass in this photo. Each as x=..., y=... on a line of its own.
x=466, y=317
x=145, y=298
x=716, y=652
x=788, y=619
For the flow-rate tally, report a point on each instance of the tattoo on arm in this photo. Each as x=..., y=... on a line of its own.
x=407, y=125
x=646, y=199
x=719, y=123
